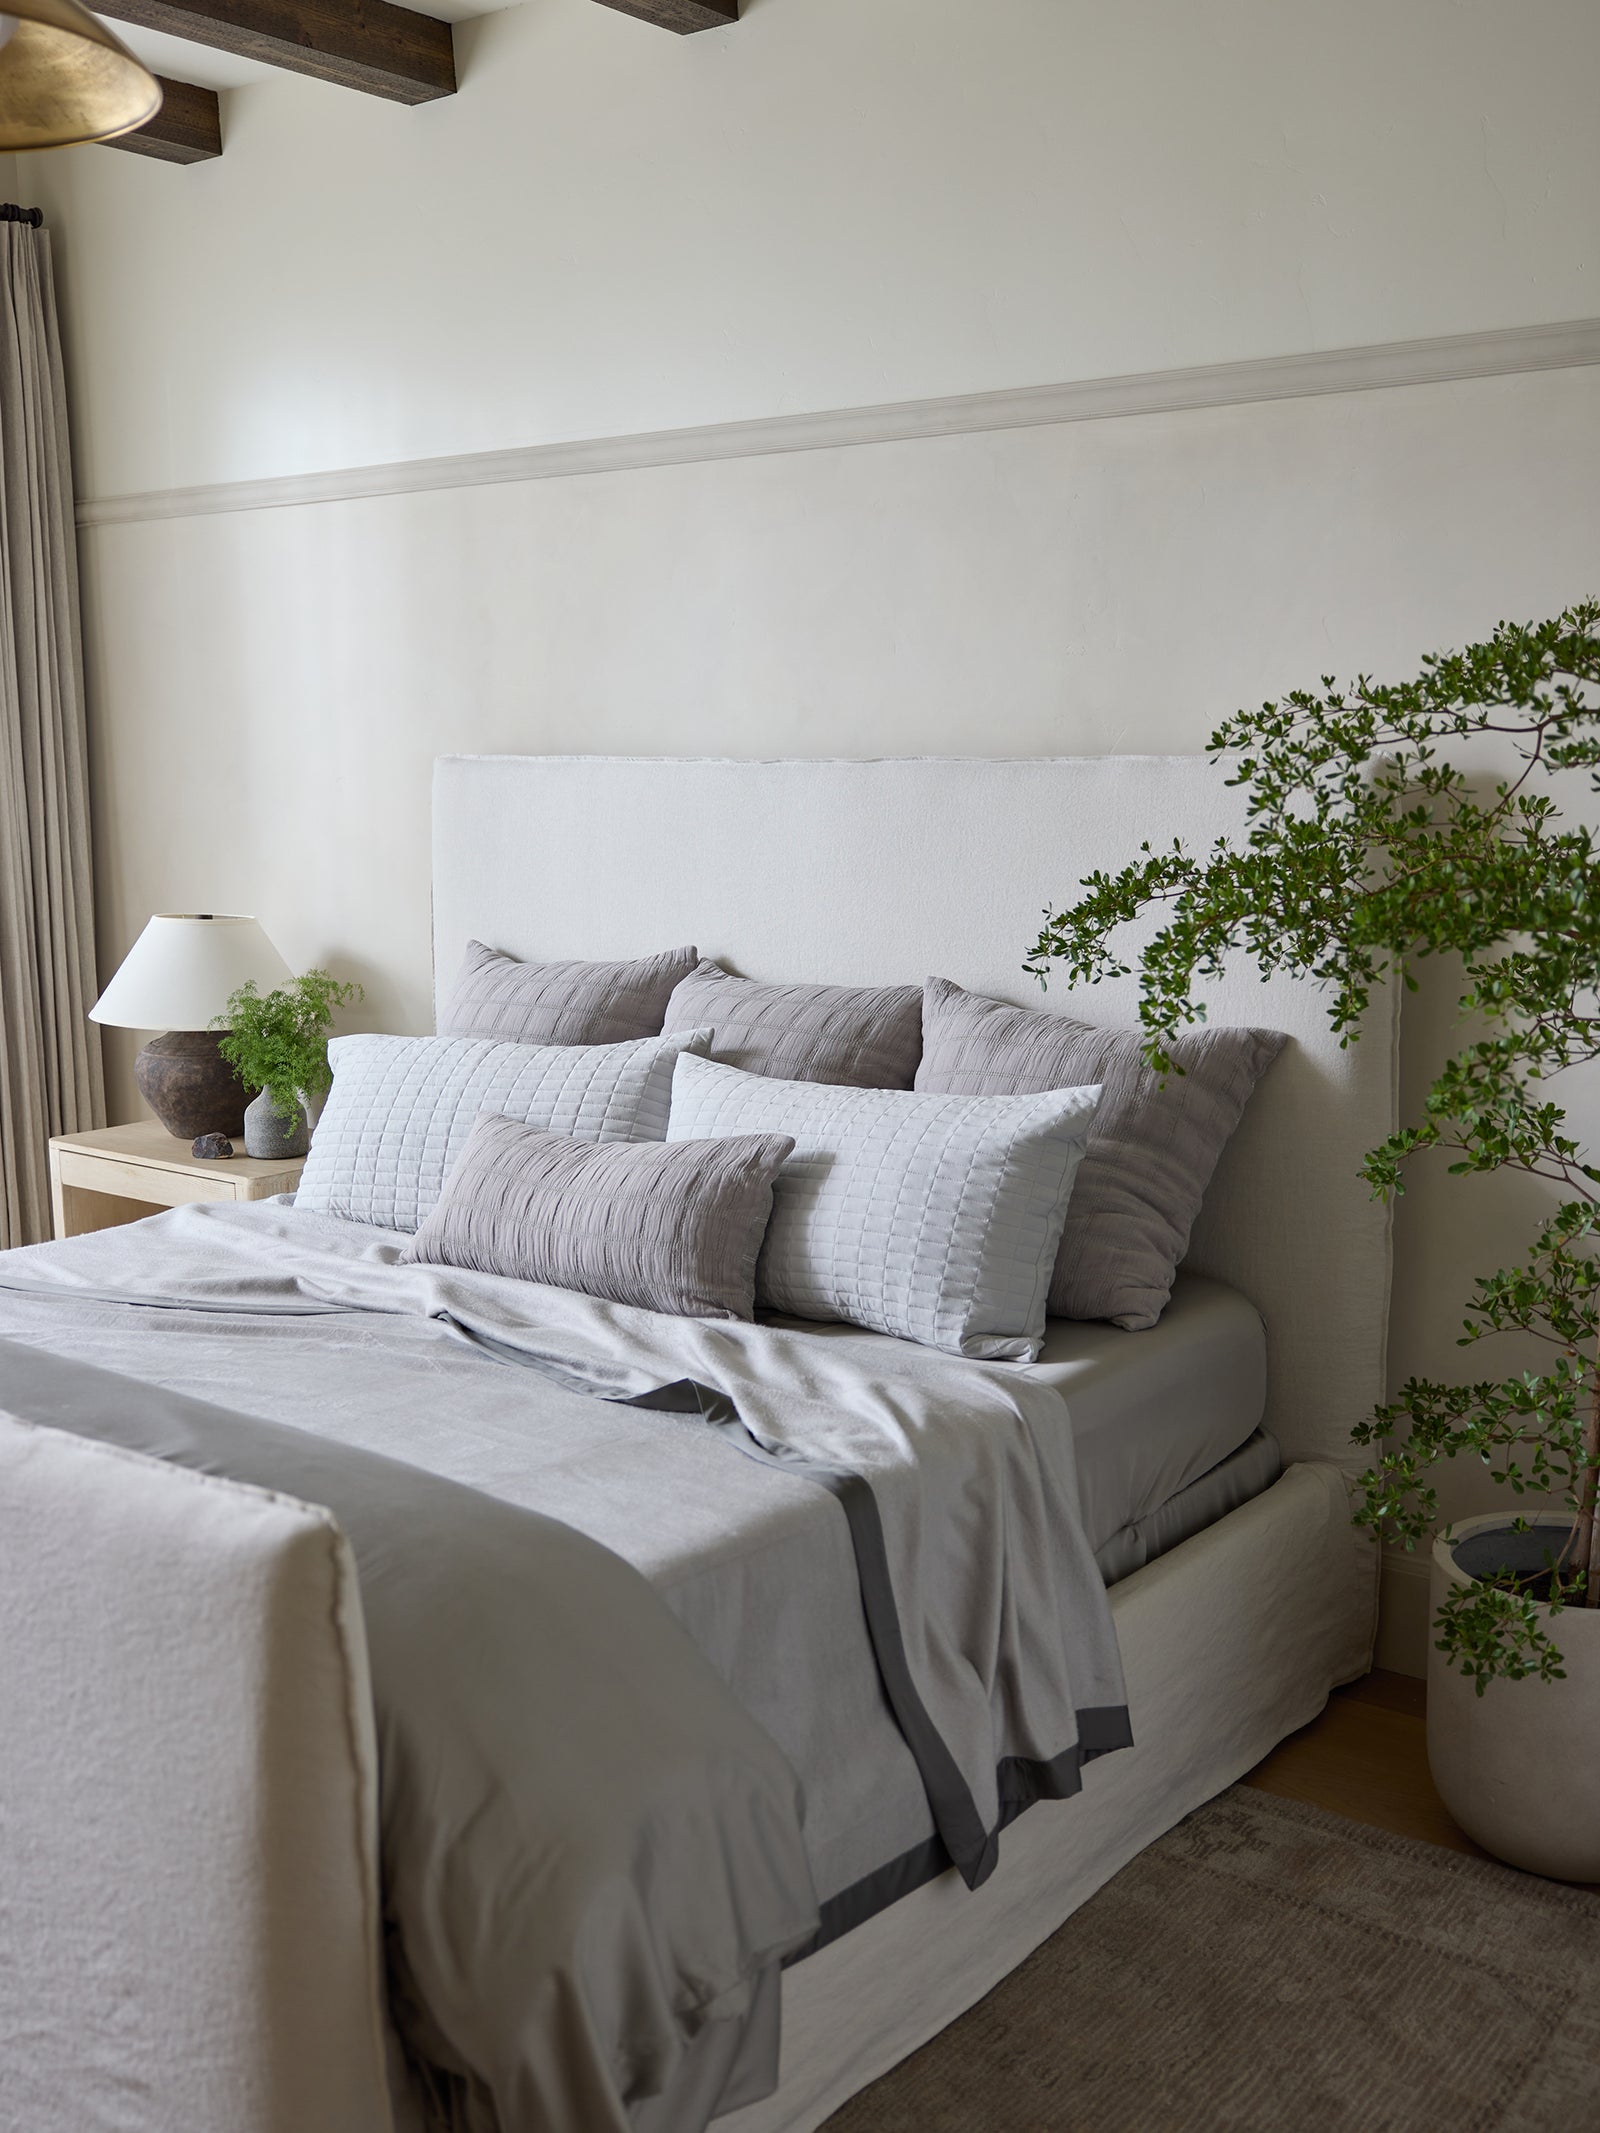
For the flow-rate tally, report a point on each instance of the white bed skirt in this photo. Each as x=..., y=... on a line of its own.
x=1229, y=1642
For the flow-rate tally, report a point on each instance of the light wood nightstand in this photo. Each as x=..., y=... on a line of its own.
x=122, y=1172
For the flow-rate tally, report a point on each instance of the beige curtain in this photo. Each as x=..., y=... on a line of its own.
x=50, y=1074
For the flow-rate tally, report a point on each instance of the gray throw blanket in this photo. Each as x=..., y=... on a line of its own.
x=930, y=1661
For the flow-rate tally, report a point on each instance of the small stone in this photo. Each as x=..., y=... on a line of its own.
x=213, y=1147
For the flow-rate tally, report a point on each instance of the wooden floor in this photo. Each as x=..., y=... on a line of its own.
x=1366, y=1756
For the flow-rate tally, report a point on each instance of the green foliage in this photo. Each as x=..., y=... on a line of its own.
x=1492, y=1631
x=1366, y=851
x=278, y=1040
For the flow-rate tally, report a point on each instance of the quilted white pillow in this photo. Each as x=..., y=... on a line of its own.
x=401, y=1109
x=935, y=1218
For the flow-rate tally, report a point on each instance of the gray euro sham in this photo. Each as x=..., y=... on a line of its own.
x=673, y=1229
x=935, y=1218
x=854, y=1036
x=518, y=1002
x=1153, y=1147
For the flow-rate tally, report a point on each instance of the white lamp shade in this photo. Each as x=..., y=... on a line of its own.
x=180, y=971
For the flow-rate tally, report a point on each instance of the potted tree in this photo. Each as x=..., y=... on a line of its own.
x=278, y=1041
x=1366, y=850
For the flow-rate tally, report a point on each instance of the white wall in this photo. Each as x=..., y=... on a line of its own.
x=837, y=202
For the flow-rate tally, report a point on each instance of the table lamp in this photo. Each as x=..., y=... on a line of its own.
x=178, y=976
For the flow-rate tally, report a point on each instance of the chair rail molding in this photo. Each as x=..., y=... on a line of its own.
x=1501, y=352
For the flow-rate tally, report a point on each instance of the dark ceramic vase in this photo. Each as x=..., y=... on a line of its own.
x=188, y=1084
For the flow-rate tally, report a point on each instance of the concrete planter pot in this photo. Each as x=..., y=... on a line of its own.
x=271, y=1137
x=1519, y=1766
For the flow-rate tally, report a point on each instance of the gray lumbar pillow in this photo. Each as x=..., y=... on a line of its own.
x=935, y=1218
x=854, y=1036
x=1153, y=1148
x=561, y=1003
x=665, y=1229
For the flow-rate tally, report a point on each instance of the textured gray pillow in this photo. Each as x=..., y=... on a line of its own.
x=935, y=1218
x=667, y=1229
x=1153, y=1148
x=854, y=1036
x=561, y=1003
x=400, y=1110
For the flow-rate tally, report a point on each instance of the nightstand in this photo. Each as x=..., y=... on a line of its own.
x=122, y=1172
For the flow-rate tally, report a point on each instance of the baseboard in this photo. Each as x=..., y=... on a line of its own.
x=1404, y=1614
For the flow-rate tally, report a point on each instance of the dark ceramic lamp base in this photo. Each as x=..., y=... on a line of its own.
x=188, y=1084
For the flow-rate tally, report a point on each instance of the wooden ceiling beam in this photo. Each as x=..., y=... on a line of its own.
x=684, y=16
x=359, y=44
x=187, y=128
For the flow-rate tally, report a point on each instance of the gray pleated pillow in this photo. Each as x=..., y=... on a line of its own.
x=1153, y=1148
x=561, y=1003
x=934, y=1218
x=672, y=1229
x=854, y=1036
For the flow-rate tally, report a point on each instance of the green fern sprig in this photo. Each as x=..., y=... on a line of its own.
x=278, y=1041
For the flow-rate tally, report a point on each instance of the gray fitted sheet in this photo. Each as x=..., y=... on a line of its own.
x=1152, y=1417
x=1248, y=1472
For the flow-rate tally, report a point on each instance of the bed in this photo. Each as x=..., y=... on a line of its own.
x=1212, y=1460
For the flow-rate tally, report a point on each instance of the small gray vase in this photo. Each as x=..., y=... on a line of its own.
x=269, y=1136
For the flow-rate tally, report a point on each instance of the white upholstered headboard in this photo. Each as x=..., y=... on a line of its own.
x=885, y=872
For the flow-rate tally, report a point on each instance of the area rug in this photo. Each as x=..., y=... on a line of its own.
x=1267, y=1967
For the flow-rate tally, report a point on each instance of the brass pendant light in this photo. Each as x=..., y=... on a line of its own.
x=64, y=78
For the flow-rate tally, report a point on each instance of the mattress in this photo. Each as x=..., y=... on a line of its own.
x=1165, y=1424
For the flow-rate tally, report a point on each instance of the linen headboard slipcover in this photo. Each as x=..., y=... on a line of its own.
x=887, y=872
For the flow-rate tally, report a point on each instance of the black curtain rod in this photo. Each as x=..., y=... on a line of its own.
x=32, y=216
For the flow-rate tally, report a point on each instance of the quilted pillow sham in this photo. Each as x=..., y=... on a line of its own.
x=561, y=1003
x=853, y=1036
x=1153, y=1149
x=673, y=1229
x=401, y=1108
x=934, y=1218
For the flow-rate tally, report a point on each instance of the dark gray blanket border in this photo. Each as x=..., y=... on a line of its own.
x=960, y=1839
x=973, y=1849
x=1102, y=1729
